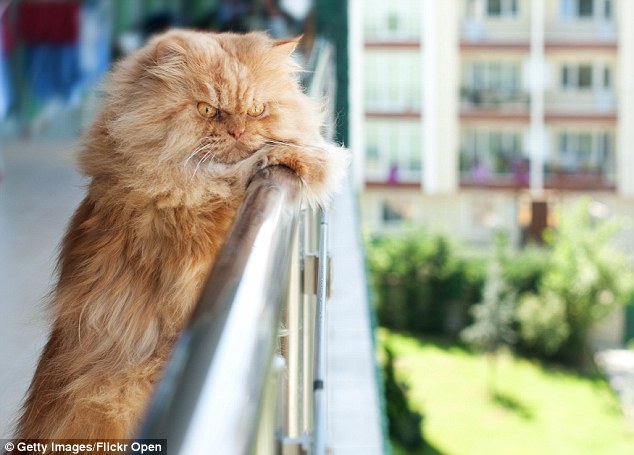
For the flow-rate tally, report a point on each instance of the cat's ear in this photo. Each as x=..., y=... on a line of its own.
x=171, y=47
x=286, y=47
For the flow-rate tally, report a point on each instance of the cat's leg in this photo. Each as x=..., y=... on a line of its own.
x=107, y=409
x=321, y=168
x=89, y=405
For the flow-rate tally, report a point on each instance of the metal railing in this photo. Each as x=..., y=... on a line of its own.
x=248, y=373
x=494, y=98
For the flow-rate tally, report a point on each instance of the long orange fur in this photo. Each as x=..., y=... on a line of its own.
x=165, y=183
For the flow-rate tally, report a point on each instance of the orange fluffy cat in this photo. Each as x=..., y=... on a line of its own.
x=186, y=121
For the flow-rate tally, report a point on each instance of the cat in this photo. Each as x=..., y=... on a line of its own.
x=185, y=122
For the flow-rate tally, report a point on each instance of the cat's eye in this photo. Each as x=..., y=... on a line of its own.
x=256, y=110
x=207, y=110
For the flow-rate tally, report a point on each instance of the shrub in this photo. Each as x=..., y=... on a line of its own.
x=417, y=278
x=585, y=279
x=523, y=270
x=425, y=285
x=543, y=323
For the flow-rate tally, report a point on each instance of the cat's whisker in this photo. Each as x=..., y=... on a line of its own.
x=209, y=158
x=210, y=155
x=196, y=152
x=207, y=148
x=196, y=170
x=290, y=144
x=200, y=162
x=190, y=157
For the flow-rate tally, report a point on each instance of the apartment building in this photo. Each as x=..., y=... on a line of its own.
x=478, y=112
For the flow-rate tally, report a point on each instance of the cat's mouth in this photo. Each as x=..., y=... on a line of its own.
x=235, y=153
x=231, y=155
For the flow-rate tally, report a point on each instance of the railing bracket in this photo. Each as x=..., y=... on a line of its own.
x=311, y=269
x=296, y=446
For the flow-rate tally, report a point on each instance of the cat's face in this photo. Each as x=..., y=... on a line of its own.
x=195, y=99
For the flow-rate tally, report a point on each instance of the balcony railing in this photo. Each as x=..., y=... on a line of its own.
x=581, y=179
x=560, y=29
x=473, y=98
x=498, y=30
x=580, y=102
x=248, y=373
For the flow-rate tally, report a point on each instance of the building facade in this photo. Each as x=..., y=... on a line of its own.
x=476, y=110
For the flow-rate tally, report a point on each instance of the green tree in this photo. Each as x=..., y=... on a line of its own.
x=494, y=317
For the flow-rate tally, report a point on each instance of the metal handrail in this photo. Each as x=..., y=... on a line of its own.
x=221, y=364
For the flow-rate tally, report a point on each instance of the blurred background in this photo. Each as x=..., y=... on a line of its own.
x=493, y=175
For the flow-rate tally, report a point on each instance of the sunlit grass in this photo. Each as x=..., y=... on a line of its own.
x=534, y=411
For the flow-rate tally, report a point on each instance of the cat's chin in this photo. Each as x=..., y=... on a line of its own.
x=236, y=153
x=216, y=168
x=225, y=162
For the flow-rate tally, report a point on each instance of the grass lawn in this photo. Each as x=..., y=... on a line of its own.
x=536, y=410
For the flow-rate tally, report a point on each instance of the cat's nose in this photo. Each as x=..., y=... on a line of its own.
x=236, y=132
x=235, y=126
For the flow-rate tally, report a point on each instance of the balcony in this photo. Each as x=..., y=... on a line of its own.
x=492, y=159
x=567, y=24
x=493, y=86
x=516, y=175
x=570, y=30
x=582, y=179
x=580, y=105
x=493, y=104
x=392, y=82
x=502, y=23
x=388, y=27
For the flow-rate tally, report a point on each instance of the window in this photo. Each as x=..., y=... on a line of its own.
x=585, y=8
x=395, y=211
x=393, y=151
x=565, y=77
x=585, y=76
x=577, y=76
x=392, y=80
x=575, y=150
x=494, y=7
x=502, y=76
x=497, y=8
x=584, y=151
x=487, y=153
x=473, y=8
x=492, y=82
x=607, y=9
x=566, y=9
x=392, y=20
x=607, y=77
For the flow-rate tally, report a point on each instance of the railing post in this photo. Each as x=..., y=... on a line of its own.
x=319, y=391
x=270, y=422
x=294, y=348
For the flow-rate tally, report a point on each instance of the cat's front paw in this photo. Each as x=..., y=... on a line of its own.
x=261, y=162
x=322, y=168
